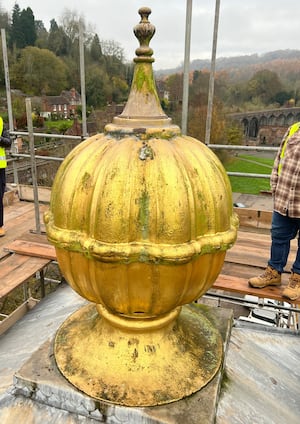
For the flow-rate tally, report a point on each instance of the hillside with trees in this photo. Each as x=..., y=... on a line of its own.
x=46, y=62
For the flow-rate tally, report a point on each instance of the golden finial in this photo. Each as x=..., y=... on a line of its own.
x=144, y=31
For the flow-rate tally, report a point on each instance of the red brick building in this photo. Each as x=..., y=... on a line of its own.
x=63, y=106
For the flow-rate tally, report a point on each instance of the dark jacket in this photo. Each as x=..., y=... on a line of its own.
x=5, y=140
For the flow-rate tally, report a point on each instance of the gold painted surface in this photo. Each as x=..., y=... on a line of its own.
x=139, y=288
x=115, y=362
x=141, y=218
x=141, y=235
x=179, y=199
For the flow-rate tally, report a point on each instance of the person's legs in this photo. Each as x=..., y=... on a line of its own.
x=283, y=230
x=292, y=291
x=296, y=264
x=2, y=191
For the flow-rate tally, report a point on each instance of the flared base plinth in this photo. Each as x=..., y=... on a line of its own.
x=138, y=362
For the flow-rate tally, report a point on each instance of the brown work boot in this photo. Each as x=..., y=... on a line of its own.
x=270, y=277
x=292, y=291
x=2, y=232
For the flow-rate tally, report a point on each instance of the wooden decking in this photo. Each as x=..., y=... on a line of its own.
x=247, y=258
x=16, y=269
x=23, y=252
x=19, y=219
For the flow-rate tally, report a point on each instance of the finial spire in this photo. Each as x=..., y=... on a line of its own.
x=143, y=111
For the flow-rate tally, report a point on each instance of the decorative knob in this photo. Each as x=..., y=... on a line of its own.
x=144, y=31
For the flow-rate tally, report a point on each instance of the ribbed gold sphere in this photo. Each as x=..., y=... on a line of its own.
x=141, y=218
x=141, y=223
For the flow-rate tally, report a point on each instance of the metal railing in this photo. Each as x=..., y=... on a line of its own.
x=14, y=156
x=248, y=148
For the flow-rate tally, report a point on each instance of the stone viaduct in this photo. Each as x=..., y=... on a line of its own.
x=266, y=127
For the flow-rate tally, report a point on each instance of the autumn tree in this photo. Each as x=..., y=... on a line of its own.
x=282, y=97
x=234, y=133
x=120, y=90
x=39, y=71
x=174, y=85
x=197, y=123
x=198, y=93
x=264, y=85
x=98, y=87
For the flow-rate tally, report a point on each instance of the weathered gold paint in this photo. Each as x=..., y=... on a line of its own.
x=138, y=362
x=141, y=218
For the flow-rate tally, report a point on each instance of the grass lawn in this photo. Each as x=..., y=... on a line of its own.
x=60, y=125
x=252, y=165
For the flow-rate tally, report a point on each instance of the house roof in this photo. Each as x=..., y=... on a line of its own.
x=56, y=100
x=71, y=95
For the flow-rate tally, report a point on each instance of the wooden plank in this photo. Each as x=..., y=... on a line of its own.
x=240, y=285
x=240, y=270
x=30, y=248
x=253, y=236
x=254, y=218
x=252, y=259
x=253, y=240
x=26, y=193
x=17, y=209
x=17, y=269
x=254, y=250
x=20, y=222
x=17, y=314
x=3, y=254
x=34, y=237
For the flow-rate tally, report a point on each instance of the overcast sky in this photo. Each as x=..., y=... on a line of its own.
x=245, y=26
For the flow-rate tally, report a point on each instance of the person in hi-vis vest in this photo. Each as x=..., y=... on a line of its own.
x=5, y=142
x=285, y=185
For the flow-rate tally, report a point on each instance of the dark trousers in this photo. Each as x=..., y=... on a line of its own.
x=2, y=191
x=284, y=229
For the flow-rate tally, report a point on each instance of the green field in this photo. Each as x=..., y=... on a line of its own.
x=252, y=165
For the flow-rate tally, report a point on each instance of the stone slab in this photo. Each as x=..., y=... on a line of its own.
x=40, y=380
x=261, y=379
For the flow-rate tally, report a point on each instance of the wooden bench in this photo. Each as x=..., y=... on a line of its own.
x=15, y=271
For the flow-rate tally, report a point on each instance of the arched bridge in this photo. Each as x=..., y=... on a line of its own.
x=266, y=126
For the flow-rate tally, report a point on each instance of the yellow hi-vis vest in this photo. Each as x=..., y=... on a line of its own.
x=3, y=162
x=294, y=128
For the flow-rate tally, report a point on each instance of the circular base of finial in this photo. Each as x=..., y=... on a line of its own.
x=139, y=365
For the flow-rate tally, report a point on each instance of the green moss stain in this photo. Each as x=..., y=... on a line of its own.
x=143, y=78
x=143, y=216
x=86, y=181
